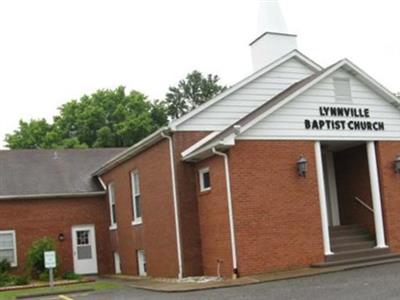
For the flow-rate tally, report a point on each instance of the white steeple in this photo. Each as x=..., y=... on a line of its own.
x=273, y=39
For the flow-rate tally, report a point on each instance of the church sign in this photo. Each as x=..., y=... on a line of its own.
x=344, y=118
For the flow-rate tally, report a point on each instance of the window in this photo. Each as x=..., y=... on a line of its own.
x=8, y=248
x=205, y=183
x=137, y=211
x=342, y=89
x=117, y=263
x=141, y=259
x=111, y=199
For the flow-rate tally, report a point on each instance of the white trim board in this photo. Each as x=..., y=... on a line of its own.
x=293, y=54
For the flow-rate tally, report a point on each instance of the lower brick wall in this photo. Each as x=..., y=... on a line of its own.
x=390, y=192
x=37, y=218
x=352, y=179
x=214, y=222
x=277, y=213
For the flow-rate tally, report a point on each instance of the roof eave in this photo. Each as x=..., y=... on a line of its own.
x=53, y=196
x=132, y=151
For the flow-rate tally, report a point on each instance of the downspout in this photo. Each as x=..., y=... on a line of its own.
x=230, y=211
x=175, y=200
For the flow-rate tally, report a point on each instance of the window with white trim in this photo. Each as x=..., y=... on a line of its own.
x=111, y=199
x=8, y=246
x=342, y=89
x=205, y=181
x=137, y=209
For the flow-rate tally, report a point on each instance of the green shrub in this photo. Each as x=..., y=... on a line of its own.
x=5, y=279
x=44, y=276
x=71, y=276
x=20, y=280
x=35, y=256
x=5, y=266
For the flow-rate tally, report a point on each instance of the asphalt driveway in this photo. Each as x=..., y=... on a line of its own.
x=378, y=282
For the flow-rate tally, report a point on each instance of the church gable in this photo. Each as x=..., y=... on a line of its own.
x=244, y=100
x=341, y=106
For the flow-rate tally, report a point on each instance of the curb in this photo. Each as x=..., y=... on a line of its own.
x=54, y=293
x=258, y=279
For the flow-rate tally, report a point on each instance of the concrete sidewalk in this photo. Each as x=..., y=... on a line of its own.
x=170, y=285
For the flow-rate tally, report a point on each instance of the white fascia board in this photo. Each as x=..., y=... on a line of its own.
x=131, y=151
x=199, y=143
x=56, y=195
x=361, y=75
x=295, y=53
x=292, y=96
x=227, y=142
x=374, y=84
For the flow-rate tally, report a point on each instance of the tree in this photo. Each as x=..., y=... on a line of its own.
x=107, y=118
x=191, y=92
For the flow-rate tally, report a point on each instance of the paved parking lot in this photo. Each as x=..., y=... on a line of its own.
x=379, y=282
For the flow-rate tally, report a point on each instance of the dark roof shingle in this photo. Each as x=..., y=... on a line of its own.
x=45, y=172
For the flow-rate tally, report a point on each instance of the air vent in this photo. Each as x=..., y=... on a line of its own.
x=342, y=89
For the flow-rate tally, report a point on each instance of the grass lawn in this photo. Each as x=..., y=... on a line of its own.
x=98, y=286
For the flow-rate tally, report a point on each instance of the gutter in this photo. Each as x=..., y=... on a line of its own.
x=175, y=200
x=235, y=270
x=55, y=195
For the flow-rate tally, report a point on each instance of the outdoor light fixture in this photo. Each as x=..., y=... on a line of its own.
x=397, y=164
x=302, y=166
x=61, y=237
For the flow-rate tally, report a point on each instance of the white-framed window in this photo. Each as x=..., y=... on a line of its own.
x=136, y=205
x=113, y=211
x=8, y=246
x=117, y=263
x=141, y=259
x=205, y=181
x=342, y=88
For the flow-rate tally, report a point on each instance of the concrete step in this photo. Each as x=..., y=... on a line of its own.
x=336, y=241
x=358, y=261
x=355, y=254
x=344, y=227
x=346, y=232
x=353, y=246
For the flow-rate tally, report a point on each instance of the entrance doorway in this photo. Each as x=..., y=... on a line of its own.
x=84, y=249
x=347, y=184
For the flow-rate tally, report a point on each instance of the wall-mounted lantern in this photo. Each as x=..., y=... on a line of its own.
x=302, y=166
x=397, y=164
x=61, y=237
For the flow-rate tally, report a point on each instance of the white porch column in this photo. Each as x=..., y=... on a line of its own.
x=376, y=196
x=322, y=199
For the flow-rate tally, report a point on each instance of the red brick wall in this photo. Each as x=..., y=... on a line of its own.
x=277, y=213
x=34, y=219
x=156, y=235
x=214, y=222
x=188, y=208
x=352, y=179
x=390, y=191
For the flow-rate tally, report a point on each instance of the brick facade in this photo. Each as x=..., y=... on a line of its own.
x=36, y=218
x=156, y=235
x=277, y=212
x=390, y=191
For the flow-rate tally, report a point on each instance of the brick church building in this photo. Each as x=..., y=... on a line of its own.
x=295, y=165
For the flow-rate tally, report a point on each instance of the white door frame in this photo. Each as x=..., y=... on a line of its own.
x=332, y=188
x=92, y=269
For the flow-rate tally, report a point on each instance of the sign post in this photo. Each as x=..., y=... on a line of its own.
x=50, y=263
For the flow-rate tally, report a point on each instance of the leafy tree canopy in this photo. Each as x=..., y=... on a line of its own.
x=191, y=92
x=113, y=118
x=107, y=118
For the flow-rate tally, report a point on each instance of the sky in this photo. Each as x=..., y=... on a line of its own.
x=52, y=51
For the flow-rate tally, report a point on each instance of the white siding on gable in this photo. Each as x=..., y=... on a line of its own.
x=235, y=106
x=288, y=122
